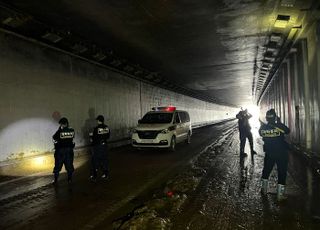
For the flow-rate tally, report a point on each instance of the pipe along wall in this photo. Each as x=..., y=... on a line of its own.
x=38, y=84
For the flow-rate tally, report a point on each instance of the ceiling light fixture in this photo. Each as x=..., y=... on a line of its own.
x=263, y=74
x=266, y=67
x=52, y=37
x=128, y=68
x=138, y=72
x=276, y=37
x=16, y=21
x=272, y=46
x=282, y=21
x=116, y=62
x=269, y=56
x=287, y=3
x=79, y=48
x=267, y=61
x=271, y=59
x=99, y=56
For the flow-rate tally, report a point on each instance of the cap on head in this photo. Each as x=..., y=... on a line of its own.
x=63, y=121
x=271, y=115
x=100, y=118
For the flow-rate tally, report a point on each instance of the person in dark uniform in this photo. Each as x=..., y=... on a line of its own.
x=275, y=149
x=245, y=131
x=63, y=155
x=99, y=137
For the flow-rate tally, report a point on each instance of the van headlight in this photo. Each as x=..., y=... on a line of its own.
x=164, y=131
x=134, y=131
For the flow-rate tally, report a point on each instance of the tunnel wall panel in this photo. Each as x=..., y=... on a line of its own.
x=38, y=84
x=294, y=91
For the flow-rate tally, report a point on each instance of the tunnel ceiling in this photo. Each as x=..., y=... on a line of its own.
x=214, y=48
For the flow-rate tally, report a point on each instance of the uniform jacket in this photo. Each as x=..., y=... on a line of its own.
x=101, y=134
x=273, y=137
x=63, y=138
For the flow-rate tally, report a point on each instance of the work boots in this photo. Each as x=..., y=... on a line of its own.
x=280, y=192
x=243, y=154
x=55, y=180
x=264, y=186
x=69, y=178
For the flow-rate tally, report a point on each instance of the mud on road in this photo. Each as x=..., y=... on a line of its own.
x=220, y=190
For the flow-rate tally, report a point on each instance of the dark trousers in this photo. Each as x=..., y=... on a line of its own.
x=272, y=158
x=63, y=156
x=244, y=134
x=99, y=159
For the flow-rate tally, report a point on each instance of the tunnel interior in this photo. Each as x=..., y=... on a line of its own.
x=211, y=58
x=80, y=59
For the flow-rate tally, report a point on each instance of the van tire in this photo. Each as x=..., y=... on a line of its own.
x=173, y=143
x=188, y=140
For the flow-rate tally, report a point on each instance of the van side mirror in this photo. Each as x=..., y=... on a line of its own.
x=139, y=121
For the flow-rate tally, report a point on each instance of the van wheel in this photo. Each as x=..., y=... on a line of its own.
x=173, y=144
x=188, y=140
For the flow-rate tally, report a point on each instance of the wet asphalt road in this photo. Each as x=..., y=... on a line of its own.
x=227, y=196
x=32, y=203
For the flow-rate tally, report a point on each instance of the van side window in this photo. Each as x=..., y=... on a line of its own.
x=177, y=119
x=187, y=117
x=182, y=117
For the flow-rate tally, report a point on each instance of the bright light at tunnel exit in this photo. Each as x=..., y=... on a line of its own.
x=254, y=110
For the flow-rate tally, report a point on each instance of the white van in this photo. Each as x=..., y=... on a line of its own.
x=162, y=128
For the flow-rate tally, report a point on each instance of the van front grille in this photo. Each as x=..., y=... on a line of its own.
x=150, y=134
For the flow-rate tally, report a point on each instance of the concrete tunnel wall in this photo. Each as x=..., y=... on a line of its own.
x=294, y=91
x=38, y=83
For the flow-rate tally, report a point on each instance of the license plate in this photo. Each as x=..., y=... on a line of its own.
x=146, y=141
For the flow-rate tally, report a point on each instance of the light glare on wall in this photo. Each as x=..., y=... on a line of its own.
x=39, y=161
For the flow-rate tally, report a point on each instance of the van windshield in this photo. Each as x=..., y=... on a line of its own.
x=156, y=118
